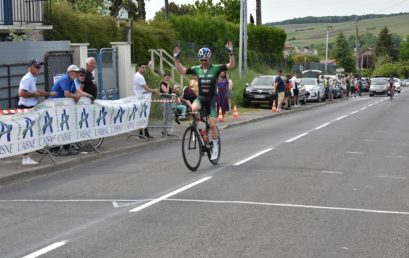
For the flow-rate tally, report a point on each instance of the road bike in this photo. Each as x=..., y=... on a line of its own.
x=196, y=142
x=391, y=92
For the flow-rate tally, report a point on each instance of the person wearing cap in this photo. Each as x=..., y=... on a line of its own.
x=65, y=87
x=29, y=95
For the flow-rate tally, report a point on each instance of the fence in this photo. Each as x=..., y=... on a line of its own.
x=162, y=112
x=106, y=72
x=24, y=11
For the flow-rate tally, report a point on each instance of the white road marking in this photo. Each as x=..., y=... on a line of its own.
x=363, y=108
x=166, y=196
x=46, y=249
x=392, y=177
x=341, y=117
x=322, y=126
x=354, y=152
x=296, y=137
x=253, y=156
x=354, y=112
x=332, y=172
x=370, y=105
x=368, y=140
x=295, y=206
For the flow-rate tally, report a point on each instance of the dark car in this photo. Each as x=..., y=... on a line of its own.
x=260, y=90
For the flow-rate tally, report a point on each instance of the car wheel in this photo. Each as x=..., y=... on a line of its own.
x=246, y=103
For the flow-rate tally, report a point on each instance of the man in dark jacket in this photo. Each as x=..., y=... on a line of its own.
x=89, y=86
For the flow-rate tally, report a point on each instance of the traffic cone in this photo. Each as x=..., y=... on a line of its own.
x=235, y=113
x=220, y=117
x=274, y=106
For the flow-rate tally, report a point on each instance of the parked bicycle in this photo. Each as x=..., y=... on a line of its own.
x=196, y=142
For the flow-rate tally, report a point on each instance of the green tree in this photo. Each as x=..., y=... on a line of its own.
x=384, y=44
x=343, y=53
x=404, y=50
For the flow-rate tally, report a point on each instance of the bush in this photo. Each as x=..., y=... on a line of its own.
x=69, y=24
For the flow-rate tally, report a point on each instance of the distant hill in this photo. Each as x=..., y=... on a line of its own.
x=312, y=30
x=332, y=19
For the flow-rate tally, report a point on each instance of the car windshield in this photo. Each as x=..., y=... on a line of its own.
x=379, y=81
x=264, y=80
x=309, y=81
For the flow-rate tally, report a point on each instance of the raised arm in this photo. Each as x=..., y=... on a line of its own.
x=232, y=63
x=179, y=67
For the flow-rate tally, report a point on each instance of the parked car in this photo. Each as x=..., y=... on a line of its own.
x=379, y=86
x=397, y=82
x=405, y=83
x=260, y=90
x=315, y=90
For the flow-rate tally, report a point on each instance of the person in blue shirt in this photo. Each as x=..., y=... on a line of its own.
x=65, y=86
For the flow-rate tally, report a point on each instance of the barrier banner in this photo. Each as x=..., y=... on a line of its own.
x=62, y=121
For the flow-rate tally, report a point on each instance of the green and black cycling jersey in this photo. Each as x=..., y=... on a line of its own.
x=207, y=80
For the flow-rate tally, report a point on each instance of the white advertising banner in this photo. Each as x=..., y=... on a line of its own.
x=62, y=121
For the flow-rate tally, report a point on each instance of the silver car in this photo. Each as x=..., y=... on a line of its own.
x=379, y=86
x=315, y=89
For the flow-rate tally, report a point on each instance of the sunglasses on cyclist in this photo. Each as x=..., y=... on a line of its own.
x=203, y=60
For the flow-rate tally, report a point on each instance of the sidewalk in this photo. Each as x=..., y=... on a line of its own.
x=11, y=169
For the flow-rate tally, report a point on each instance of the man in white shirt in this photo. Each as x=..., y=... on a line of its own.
x=28, y=95
x=140, y=87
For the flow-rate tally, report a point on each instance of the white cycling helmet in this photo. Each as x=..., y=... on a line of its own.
x=204, y=53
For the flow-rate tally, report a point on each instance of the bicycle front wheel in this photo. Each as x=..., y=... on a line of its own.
x=90, y=145
x=191, y=148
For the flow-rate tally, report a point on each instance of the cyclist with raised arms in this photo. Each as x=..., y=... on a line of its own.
x=207, y=74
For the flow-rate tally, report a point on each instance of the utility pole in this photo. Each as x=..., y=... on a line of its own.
x=241, y=39
x=258, y=12
x=166, y=9
x=356, y=45
x=326, y=50
x=245, y=36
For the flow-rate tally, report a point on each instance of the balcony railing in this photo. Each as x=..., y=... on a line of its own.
x=19, y=12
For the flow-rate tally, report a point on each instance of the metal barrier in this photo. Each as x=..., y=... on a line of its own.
x=162, y=114
x=106, y=72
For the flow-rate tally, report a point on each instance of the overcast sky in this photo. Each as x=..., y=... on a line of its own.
x=274, y=10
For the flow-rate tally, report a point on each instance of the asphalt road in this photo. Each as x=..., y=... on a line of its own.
x=326, y=182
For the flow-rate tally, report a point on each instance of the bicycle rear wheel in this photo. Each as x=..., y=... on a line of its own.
x=209, y=151
x=191, y=148
x=90, y=145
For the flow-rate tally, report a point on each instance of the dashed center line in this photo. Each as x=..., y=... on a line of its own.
x=354, y=152
x=253, y=156
x=46, y=249
x=296, y=137
x=322, y=126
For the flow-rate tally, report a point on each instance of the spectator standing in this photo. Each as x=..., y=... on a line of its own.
x=222, y=89
x=279, y=88
x=230, y=90
x=65, y=87
x=359, y=80
x=89, y=85
x=166, y=90
x=28, y=95
x=348, y=84
x=295, y=91
x=288, y=88
x=140, y=87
